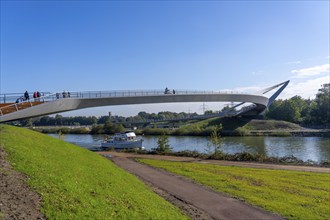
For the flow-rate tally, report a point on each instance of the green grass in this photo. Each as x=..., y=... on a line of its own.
x=292, y=194
x=78, y=184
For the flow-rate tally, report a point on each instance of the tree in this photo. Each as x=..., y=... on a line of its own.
x=108, y=126
x=320, y=114
x=290, y=111
x=27, y=122
x=59, y=119
x=287, y=110
x=215, y=139
x=163, y=145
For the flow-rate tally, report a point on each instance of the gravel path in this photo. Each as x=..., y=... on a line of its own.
x=214, y=205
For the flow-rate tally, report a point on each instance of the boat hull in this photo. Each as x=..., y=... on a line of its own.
x=122, y=145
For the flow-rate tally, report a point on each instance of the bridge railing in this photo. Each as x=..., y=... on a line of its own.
x=125, y=93
x=12, y=97
x=20, y=103
x=47, y=96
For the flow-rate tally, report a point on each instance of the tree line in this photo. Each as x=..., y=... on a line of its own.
x=60, y=120
x=314, y=112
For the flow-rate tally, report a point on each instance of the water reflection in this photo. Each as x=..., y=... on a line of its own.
x=248, y=144
x=304, y=148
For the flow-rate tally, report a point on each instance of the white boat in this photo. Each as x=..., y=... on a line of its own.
x=125, y=140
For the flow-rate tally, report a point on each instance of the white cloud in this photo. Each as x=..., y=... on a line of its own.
x=312, y=71
x=306, y=89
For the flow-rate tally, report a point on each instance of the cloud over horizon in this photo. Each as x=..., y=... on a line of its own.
x=312, y=71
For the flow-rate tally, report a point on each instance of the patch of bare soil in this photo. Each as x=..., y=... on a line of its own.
x=17, y=199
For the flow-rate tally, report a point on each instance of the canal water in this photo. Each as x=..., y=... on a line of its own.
x=304, y=148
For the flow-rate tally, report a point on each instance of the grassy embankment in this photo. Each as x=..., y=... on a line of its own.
x=292, y=194
x=75, y=183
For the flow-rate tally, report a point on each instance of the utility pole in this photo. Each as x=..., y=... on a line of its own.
x=204, y=108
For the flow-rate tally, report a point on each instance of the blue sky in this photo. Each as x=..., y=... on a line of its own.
x=195, y=45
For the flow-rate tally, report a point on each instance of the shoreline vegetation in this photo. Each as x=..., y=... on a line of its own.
x=229, y=127
x=240, y=157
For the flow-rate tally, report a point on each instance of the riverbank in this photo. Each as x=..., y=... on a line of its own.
x=303, y=132
x=218, y=162
x=238, y=157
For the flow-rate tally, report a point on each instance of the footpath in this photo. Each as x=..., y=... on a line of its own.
x=198, y=201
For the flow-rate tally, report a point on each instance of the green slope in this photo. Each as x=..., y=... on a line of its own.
x=234, y=126
x=292, y=194
x=251, y=124
x=78, y=184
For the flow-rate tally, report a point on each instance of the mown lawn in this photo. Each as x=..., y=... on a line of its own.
x=78, y=184
x=292, y=194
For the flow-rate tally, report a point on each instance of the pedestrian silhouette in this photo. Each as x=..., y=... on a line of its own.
x=26, y=95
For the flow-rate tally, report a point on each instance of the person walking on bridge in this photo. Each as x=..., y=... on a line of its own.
x=35, y=96
x=26, y=96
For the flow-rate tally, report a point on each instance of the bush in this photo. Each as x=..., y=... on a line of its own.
x=64, y=130
x=163, y=145
x=97, y=129
x=79, y=131
x=156, y=131
x=241, y=131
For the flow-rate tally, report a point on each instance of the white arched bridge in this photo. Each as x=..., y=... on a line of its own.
x=11, y=108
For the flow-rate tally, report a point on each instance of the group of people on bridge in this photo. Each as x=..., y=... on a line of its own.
x=167, y=91
x=26, y=97
x=64, y=94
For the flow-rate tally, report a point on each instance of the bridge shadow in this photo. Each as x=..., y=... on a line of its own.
x=231, y=123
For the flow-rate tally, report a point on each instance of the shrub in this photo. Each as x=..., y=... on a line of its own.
x=241, y=131
x=156, y=131
x=163, y=145
x=97, y=129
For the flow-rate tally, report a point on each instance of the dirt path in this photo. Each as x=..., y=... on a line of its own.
x=216, y=205
x=17, y=200
x=222, y=162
